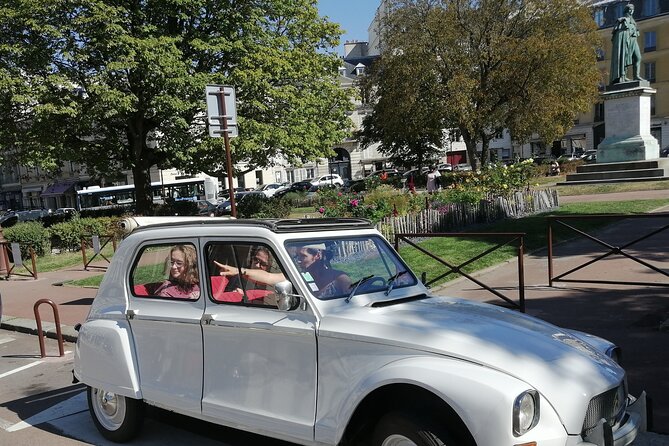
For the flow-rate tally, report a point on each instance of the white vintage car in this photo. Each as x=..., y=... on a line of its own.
x=316, y=332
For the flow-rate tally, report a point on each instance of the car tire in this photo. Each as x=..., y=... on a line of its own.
x=403, y=428
x=118, y=418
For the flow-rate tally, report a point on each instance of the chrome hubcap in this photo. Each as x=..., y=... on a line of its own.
x=109, y=409
x=397, y=440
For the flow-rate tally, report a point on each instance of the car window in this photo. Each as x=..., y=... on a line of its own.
x=168, y=271
x=332, y=268
x=242, y=273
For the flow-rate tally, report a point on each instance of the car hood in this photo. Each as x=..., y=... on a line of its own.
x=567, y=371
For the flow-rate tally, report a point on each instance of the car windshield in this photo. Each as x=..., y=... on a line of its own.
x=333, y=268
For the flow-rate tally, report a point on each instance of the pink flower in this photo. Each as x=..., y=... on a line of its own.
x=321, y=210
x=339, y=194
x=354, y=203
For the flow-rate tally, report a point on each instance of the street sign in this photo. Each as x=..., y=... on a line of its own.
x=221, y=105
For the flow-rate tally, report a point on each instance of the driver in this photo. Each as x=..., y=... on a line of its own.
x=324, y=281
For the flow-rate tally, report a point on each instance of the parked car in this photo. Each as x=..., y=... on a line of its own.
x=389, y=172
x=298, y=186
x=65, y=211
x=664, y=152
x=11, y=218
x=225, y=193
x=355, y=352
x=445, y=167
x=206, y=207
x=225, y=207
x=462, y=167
x=332, y=179
x=270, y=189
x=589, y=156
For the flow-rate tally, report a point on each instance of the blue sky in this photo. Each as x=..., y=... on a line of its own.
x=354, y=16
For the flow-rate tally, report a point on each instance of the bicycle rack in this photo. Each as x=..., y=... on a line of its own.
x=40, y=332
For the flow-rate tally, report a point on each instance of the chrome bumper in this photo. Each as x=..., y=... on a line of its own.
x=635, y=421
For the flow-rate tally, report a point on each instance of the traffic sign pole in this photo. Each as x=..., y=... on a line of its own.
x=228, y=155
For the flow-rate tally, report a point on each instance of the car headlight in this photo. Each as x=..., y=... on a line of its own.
x=525, y=412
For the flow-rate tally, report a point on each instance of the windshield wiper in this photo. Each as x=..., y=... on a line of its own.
x=355, y=286
x=391, y=281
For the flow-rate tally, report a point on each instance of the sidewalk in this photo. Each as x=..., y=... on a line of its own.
x=630, y=316
x=20, y=293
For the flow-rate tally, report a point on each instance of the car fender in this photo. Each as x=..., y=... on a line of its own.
x=476, y=393
x=104, y=357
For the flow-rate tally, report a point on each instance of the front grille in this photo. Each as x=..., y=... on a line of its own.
x=609, y=405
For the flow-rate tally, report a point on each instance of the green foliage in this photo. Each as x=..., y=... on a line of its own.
x=67, y=235
x=30, y=234
x=401, y=202
x=259, y=206
x=493, y=180
x=118, y=85
x=478, y=68
x=374, y=205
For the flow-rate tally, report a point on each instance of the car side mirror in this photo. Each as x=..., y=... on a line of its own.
x=285, y=299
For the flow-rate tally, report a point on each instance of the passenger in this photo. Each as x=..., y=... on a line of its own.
x=328, y=282
x=261, y=260
x=183, y=277
x=255, y=273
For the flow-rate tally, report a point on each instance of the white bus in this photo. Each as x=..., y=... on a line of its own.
x=189, y=189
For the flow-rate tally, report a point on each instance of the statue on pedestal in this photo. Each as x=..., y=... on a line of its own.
x=625, y=48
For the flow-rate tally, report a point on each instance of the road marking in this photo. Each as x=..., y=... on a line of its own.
x=71, y=406
x=20, y=369
x=6, y=339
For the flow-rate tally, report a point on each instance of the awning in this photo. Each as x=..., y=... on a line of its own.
x=58, y=189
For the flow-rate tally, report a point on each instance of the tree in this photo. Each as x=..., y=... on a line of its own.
x=403, y=118
x=482, y=66
x=119, y=84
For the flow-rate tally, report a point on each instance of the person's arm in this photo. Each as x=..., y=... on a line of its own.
x=256, y=275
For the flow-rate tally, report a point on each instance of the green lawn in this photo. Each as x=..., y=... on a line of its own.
x=590, y=189
x=55, y=262
x=456, y=250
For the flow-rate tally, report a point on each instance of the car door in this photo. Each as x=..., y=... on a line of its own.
x=260, y=362
x=165, y=324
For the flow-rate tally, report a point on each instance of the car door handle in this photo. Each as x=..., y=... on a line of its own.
x=131, y=314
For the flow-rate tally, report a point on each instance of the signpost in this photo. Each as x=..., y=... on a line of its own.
x=222, y=120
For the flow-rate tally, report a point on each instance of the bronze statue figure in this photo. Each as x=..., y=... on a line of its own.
x=625, y=48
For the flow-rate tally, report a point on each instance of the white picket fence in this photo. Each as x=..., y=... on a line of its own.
x=455, y=216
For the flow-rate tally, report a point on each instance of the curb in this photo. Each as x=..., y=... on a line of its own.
x=29, y=326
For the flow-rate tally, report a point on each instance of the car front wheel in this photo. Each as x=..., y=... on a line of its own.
x=117, y=417
x=408, y=429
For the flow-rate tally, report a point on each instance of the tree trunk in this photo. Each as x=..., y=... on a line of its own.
x=143, y=194
x=470, y=143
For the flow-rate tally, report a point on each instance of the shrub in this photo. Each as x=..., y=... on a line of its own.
x=398, y=200
x=374, y=205
x=68, y=235
x=259, y=206
x=30, y=234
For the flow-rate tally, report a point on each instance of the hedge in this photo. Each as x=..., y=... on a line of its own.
x=30, y=234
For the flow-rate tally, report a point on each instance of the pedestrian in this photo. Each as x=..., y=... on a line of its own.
x=433, y=180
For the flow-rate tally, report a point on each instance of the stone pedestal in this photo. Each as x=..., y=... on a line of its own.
x=627, y=124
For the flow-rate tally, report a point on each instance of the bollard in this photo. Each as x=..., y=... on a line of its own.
x=4, y=260
x=40, y=332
